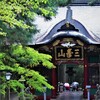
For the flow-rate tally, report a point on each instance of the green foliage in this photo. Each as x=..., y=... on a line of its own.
x=30, y=57
x=17, y=27
x=92, y=2
x=63, y=2
x=21, y=60
x=17, y=17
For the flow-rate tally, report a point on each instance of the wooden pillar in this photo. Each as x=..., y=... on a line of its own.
x=85, y=75
x=54, y=83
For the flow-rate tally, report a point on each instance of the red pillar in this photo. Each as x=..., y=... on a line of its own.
x=85, y=75
x=54, y=83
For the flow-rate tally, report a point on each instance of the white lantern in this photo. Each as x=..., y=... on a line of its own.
x=8, y=75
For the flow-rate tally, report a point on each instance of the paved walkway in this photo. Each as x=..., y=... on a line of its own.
x=70, y=95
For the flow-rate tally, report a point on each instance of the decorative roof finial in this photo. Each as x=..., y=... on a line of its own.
x=68, y=14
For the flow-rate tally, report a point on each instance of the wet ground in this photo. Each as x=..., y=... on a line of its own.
x=70, y=95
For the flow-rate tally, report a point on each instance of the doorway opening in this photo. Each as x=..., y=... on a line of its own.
x=71, y=73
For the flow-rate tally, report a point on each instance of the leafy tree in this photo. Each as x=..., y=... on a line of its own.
x=17, y=27
x=18, y=60
x=17, y=16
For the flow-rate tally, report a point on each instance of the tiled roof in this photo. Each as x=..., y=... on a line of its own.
x=84, y=18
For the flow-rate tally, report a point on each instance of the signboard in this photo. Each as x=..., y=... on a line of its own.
x=71, y=53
